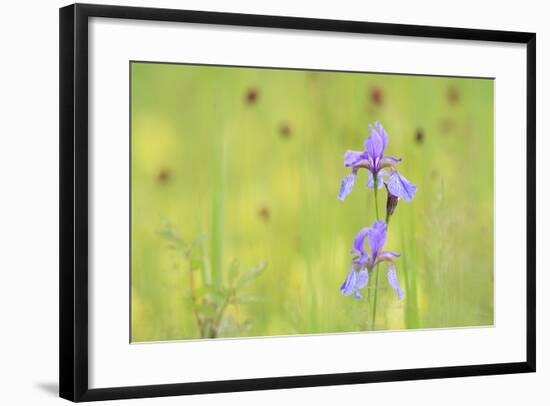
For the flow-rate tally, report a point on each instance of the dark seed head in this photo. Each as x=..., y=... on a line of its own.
x=419, y=136
x=447, y=125
x=251, y=96
x=377, y=96
x=453, y=95
x=264, y=213
x=164, y=176
x=313, y=76
x=285, y=130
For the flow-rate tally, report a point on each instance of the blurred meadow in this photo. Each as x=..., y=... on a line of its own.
x=236, y=228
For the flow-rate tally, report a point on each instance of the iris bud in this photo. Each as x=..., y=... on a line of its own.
x=391, y=204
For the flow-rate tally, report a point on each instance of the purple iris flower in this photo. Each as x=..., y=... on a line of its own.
x=379, y=166
x=364, y=261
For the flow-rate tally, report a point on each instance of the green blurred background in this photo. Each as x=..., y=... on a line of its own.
x=249, y=161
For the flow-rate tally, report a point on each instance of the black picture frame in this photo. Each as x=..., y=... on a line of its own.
x=73, y=254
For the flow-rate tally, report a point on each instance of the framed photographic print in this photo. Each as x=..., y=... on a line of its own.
x=256, y=202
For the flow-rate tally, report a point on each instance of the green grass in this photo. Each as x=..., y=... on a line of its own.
x=211, y=164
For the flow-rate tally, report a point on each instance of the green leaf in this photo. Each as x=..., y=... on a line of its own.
x=251, y=275
x=197, y=242
x=169, y=233
x=245, y=299
x=229, y=327
x=196, y=263
x=233, y=271
x=211, y=293
x=207, y=311
x=187, y=294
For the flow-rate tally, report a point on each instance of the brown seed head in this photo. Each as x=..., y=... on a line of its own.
x=164, y=176
x=264, y=213
x=285, y=130
x=419, y=136
x=251, y=96
x=453, y=95
x=377, y=96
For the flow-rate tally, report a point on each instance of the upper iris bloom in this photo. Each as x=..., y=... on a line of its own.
x=364, y=262
x=379, y=166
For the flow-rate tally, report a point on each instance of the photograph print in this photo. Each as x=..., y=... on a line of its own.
x=279, y=202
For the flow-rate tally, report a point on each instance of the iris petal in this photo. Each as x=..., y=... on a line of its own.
x=348, y=287
x=374, y=145
x=377, y=237
x=355, y=281
x=380, y=179
x=383, y=135
x=394, y=282
x=359, y=248
x=347, y=185
x=401, y=187
x=353, y=158
x=388, y=160
x=387, y=255
x=359, y=241
x=362, y=278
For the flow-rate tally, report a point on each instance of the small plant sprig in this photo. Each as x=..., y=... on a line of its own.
x=210, y=303
x=381, y=172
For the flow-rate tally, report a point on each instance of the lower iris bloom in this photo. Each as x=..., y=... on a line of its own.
x=364, y=261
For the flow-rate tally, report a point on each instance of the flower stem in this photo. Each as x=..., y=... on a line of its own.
x=376, y=197
x=373, y=322
x=373, y=319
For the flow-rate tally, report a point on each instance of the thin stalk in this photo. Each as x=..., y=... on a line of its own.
x=193, y=297
x=376, y=196
x=218, y=212
x=218, y=320
x=375, y=296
